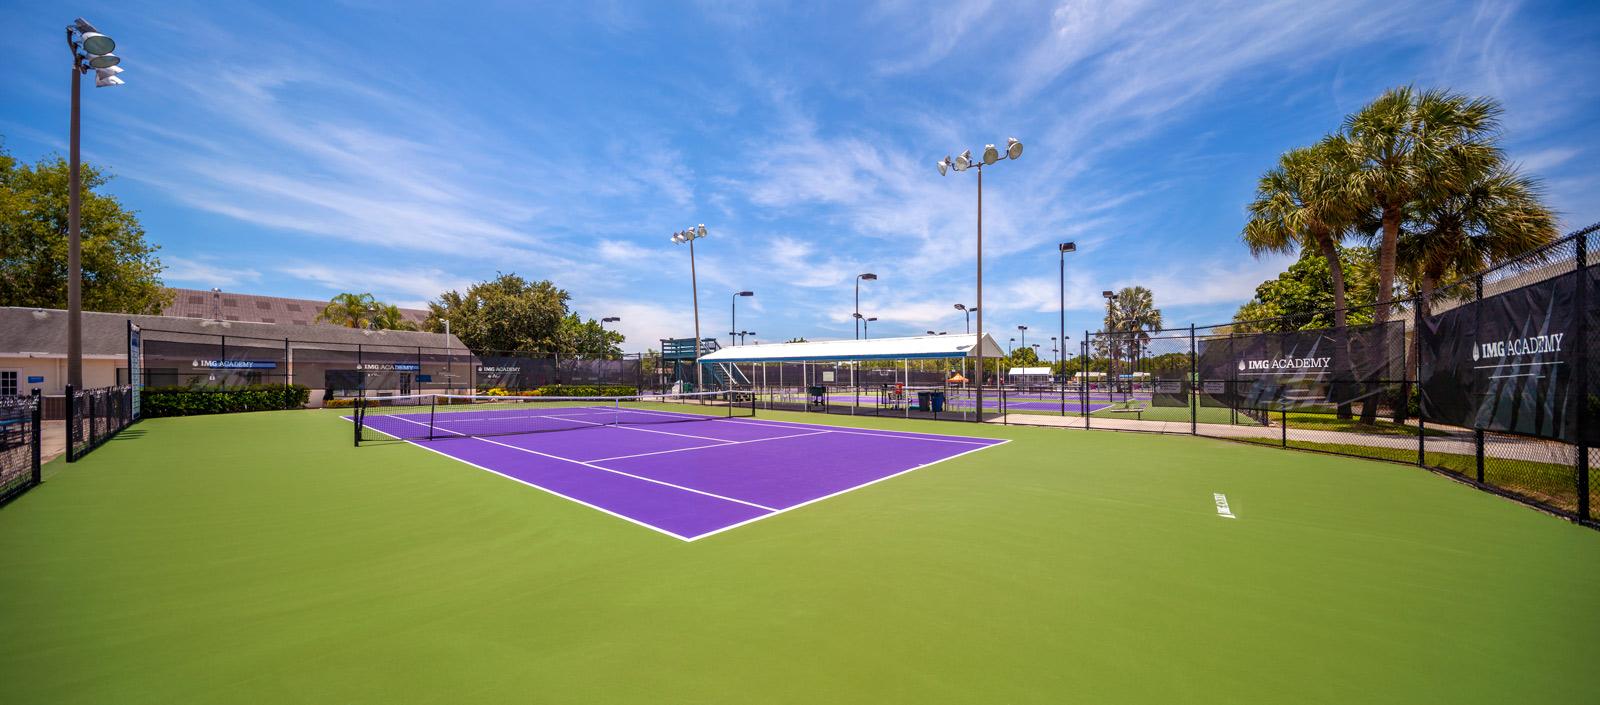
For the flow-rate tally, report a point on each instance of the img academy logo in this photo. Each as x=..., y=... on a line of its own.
x=1285, y=364
x=1518, y=347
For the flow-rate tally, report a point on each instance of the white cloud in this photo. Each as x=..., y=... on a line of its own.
x=409, y=288
x=206, y=272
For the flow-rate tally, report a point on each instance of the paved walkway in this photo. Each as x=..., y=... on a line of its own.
x=1457, y=441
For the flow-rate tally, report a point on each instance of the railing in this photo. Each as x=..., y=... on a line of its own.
x=20, y=444
x=94, y=416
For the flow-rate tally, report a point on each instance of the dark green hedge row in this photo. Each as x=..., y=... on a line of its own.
x=586, y=390
x=191, y=401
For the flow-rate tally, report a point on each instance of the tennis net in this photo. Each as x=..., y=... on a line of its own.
x=436, y=416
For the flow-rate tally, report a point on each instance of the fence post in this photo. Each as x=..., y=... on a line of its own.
x=38, y=434
x=1477, y=435
x=72, y=423
x=1083, y=388
x=1422, y=423
x=1585, y=384
x=288, y=373
x=1190, y=397
x=1283, y=422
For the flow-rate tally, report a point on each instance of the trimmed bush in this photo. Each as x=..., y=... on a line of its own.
x=193, y=401
x=586, y=390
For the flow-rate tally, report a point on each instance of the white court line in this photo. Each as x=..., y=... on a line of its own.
x=541, y=488
x=772, y=512
x=719, y=445
x=920, y=436
x=840, y=492
x=605, y=469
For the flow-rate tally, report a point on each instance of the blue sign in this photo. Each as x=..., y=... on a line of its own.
x=35, y=379
x=236, y=364
x=424, y=378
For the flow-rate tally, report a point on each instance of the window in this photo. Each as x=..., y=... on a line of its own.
x=8, y=383
x=293, y=307
x=197, y=299
x=264, y=305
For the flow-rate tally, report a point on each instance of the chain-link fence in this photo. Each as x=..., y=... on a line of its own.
x=21, y=424
x=1493, y=379
x=333, y=370
x=94, y=416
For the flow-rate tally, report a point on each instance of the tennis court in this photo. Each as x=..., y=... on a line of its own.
x=686, y=473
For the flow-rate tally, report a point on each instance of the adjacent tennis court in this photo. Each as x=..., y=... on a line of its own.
x=686, y=473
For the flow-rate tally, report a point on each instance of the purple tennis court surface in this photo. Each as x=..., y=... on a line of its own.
x=696, y=478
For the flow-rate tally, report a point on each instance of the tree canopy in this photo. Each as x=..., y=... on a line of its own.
x=121, y=273
x=363, y=310
x=1302, y=297
x=513, y=313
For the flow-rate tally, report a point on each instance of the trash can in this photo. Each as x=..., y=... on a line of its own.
x=930, y=401
x=937, y=398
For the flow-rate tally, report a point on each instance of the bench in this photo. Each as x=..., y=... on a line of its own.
x=1138, y=412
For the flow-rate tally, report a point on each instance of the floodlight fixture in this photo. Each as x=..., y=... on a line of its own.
x=1068, y=247
x=964, y=161
x=990, y=154
x=1013, y=148
x=104, y=61
x=944, y=165
x=746, y=293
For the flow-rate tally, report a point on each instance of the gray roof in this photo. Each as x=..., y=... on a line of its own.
x=28, y=330
x=229, y=306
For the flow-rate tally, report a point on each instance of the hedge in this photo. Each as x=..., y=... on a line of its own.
x=192, y=401
x=569, y=390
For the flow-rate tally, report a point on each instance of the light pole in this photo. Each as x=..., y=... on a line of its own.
x=733, y=317
x=864, y=320
x=1064, y=248
x=96, y=54
x=869, y=276
x=963, y=163
x=968, y=310
x=1024, y=330
x=1111, y=354
x=689, y=236
x=744, y=333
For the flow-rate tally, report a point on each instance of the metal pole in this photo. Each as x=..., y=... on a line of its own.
x=733, y=320
x=981, y=307
x=1061, y=345
x=74, y=239
x=1190, y=397
x=694, y=284
x=857, y=326
x=1584, y=377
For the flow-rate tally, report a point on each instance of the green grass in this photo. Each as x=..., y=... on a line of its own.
x=254, y=558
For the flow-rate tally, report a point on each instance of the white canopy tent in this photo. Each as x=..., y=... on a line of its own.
x=918, y=347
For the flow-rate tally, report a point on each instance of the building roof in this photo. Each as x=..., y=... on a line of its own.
x=919, y=347
x=1015, y=371
x=43, y=332
x=255, y=308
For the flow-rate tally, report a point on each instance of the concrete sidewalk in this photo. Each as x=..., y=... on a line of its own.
x=1455, y=441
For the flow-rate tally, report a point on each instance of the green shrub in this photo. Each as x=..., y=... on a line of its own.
x=585, y=390
x=192, y=401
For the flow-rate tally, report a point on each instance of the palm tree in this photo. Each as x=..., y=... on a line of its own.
x=1302, y=203
x=388, y=317
x=348, y=310
x=1133, y=316
x=1405, y=144
x=1493, y=213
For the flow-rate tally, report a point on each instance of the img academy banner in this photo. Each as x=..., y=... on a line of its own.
x=1330, y=366
x=1508, y=362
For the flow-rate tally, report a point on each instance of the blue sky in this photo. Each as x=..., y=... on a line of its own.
x=304, y=149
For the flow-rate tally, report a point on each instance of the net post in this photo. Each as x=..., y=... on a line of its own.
x=360, y=414
x=288, y=373
x=433, y=404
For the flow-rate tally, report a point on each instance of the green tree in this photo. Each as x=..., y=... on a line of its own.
x=1404, y=145
x=348, y=310
x=121, y=273
x=513, y=314
x=1302, y=297
x=1301, y=204
x=1460, y=228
